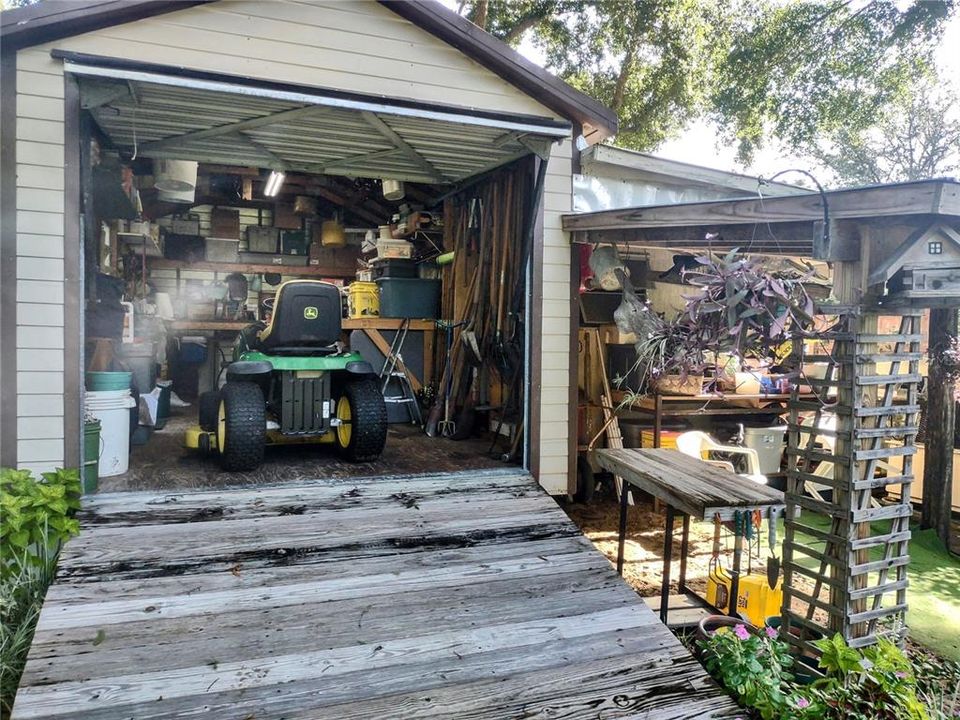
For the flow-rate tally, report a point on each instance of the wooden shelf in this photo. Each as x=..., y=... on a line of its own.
x=249, y=269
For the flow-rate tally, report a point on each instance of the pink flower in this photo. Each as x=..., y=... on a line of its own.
x=771, y=632
x=803, y=702
x=741, y=632
x=900, y=674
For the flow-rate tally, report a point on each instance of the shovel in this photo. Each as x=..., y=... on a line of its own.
x=773, y=562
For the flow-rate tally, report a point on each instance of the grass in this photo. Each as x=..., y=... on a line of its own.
x=934, y=591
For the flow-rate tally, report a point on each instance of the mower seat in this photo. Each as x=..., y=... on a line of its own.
x=306, y=320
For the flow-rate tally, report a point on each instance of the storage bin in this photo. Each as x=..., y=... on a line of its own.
x=668, y=438
x=91, y=456
x=188, y=224
x=294, y=242
x=394, y=268
x=141, y=359
x=363, y=300
x=219, y=250
x=108, y=381
x=191, y=352
x=262, y=239
x=265, y=259
x=392, y=249
x=409, y=298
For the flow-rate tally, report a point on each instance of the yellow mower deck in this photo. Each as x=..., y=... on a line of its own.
x=195, y=438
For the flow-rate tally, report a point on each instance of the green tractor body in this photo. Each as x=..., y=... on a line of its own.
x=291, y=381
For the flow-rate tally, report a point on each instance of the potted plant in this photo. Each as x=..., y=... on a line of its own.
x=741, y=308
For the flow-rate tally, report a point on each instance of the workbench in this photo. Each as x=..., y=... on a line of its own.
x=715, y=404
x=688, y=487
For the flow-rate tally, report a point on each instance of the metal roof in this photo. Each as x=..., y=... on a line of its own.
x=173, y=117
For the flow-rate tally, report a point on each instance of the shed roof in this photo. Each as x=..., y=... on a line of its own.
x=54, y=19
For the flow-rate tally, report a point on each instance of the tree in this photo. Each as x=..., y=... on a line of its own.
x=917, y=137
x=761, y=69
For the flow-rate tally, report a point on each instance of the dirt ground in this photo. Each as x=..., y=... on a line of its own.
x=643, y=551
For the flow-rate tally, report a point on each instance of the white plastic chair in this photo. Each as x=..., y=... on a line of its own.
x=698, y=444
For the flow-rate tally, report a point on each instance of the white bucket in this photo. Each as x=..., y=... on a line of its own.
x=175, y=175
x=112, y=409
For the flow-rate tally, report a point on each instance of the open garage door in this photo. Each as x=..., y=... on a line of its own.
x=463, y=226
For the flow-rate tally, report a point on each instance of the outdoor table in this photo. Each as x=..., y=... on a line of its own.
x=691, y=488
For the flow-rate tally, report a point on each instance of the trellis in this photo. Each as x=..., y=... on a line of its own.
x=851, y=578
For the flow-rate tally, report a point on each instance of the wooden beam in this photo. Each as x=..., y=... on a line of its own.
x=941, y=418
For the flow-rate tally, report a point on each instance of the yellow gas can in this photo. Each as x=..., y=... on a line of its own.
x=757, y=600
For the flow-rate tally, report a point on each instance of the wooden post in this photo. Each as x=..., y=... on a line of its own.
x=938, y=464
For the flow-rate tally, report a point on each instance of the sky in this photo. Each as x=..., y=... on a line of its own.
x=698, y=145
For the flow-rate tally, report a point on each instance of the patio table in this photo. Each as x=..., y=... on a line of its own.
x=688, y=487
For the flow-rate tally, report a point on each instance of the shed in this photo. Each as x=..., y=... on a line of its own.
x=344, y=92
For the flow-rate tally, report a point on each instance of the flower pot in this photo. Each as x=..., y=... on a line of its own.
x=711, y=624
x=678, y=385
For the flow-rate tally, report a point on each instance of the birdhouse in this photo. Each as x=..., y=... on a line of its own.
x=925, y=266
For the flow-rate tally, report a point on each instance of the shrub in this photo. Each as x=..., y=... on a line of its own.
x=37, y=520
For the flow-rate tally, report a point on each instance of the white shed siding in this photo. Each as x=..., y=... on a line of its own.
x=40, y=295
x=357, y=46
x=555, y=357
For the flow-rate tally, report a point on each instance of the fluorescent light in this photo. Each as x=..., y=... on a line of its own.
x=274, y=183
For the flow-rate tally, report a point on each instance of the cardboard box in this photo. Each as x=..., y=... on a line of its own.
x=284, y=218
x=225, y=223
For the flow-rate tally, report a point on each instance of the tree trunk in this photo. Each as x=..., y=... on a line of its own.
x=480, y=13
x=938, y=462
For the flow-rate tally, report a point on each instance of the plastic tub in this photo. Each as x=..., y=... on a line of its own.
x=113, y=413
x=163, y=403
x=109, y=381
x=363, y=300
x=409, y=298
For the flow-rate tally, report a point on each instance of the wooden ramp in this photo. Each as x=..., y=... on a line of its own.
x=445, y=596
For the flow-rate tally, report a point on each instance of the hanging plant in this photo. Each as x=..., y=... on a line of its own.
x=741, y=308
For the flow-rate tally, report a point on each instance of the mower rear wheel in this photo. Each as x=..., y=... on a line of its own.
x=208, y=406
x=362, y=413
x=241, y=426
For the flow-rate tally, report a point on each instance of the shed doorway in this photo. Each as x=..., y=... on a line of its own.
x=428, y=212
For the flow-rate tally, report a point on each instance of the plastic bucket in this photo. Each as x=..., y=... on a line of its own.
x=363, y=300
x=139, y=357
x=91, y=456
x=99, y=381
x=114, y=415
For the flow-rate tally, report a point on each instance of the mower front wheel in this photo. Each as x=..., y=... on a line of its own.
x=208, y=408
x=241, y=426
x=362, y=432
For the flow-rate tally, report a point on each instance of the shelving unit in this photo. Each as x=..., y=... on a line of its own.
x=248, y=269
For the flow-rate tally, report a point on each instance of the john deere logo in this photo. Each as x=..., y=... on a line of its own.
x=311, y=313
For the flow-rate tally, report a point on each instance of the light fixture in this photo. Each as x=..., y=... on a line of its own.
x=274, y=183
x=392, y=189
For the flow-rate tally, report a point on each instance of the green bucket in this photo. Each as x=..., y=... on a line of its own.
x=105, y=381
x=91, y=456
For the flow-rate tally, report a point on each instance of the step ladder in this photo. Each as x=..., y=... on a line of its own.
x=394, y=369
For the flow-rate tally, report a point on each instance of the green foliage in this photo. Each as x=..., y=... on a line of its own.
x=761, y=69
x=753, y=668
x=917, y=136
x=36, y=521
x=37, y=516
x=876, y=683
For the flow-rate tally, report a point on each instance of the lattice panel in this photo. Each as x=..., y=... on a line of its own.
x=848, y=574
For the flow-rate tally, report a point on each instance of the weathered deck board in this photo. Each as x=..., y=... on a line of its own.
x=429, y=597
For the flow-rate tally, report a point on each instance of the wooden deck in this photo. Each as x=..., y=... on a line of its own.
x=444, y=596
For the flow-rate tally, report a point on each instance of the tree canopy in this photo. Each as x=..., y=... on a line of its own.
x=761, y=69
x=916, y=137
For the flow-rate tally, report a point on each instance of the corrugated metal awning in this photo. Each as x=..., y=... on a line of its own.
x=219, y=119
